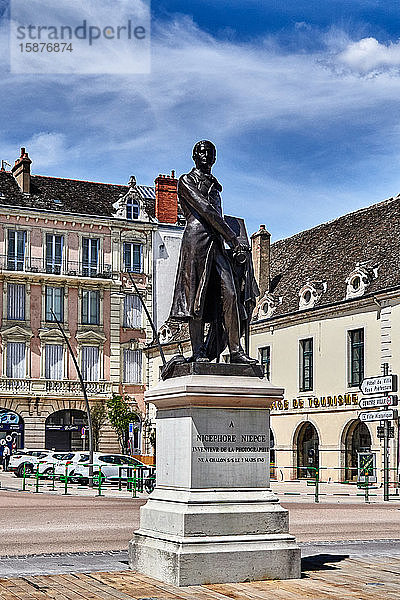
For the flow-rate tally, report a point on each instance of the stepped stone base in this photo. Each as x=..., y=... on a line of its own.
x=212, y=517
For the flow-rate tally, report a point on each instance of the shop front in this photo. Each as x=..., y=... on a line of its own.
x=64, y=430
x=11, y=429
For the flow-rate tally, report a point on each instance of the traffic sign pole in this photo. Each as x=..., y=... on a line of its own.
x=386, y=448
x=373, y=386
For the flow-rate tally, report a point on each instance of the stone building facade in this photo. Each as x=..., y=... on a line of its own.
x=329, y=315
x=68, y=248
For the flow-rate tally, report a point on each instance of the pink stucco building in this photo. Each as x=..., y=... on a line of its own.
x=66, y=248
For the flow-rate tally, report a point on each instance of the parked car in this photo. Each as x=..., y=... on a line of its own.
x=109, y=465
x=53, y=461
x=67, y=465
x=28, y=458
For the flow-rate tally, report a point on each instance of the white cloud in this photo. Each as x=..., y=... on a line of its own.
x=49, y=149
x=107, y=128
x=368, y=55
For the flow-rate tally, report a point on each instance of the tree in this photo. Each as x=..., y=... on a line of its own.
x=98, y=413
x=120, y=415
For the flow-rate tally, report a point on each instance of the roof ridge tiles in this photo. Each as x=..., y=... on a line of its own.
x=82, y=180
x=336, y=219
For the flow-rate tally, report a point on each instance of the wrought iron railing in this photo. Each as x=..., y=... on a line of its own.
x=53, y=267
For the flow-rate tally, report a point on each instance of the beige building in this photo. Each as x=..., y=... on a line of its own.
x=328, y=316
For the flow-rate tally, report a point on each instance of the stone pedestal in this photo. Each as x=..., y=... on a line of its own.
x=212, y=517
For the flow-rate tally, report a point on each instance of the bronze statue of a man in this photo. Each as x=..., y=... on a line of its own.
x=205, y=289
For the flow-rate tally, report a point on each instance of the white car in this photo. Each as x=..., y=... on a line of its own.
x=109, y=465
x=59, y=462
x=68, y=464
x=27, y=457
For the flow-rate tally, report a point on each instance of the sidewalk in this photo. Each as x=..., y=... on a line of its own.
x=299, y=491
x=9, y=482
x=288, y=491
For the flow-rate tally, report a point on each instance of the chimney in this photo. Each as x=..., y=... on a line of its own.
x=167, y=198
x=22, y=172
x=260, y=247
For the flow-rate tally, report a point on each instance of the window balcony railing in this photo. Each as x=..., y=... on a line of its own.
x=17, y=386
x=54, y=267
x=73, y=387
x=56, y=387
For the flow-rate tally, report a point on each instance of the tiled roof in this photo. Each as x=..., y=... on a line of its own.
x=329, y=254
x=69, y=195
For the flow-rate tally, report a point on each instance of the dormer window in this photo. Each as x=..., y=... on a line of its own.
x=266, y=306
x=132, y=208
x=359, y=280
x=310, y=294
x=165, y=334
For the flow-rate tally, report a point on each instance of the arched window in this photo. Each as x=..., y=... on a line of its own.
x=357, y=439
x=307, y=451
x=132, y=208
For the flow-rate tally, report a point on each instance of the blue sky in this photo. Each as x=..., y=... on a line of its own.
x=301, y=99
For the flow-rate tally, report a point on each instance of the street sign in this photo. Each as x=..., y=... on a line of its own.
x=378, y=415
x=381, y=432
x=366, y=467
x=378, y=401
x=377, y=385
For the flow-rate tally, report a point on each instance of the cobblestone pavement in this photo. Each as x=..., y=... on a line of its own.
x=324, y=577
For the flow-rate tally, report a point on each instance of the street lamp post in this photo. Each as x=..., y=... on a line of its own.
x=83, y=386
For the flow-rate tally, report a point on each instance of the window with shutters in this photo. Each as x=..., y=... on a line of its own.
x=132, y=366
x=54, y=303
x=53, y=361
x=16, y=249
x=90, y=256
x=356, y=357
x=306, y=365
x=16, y=302
x=265, y=360
x=90, y=363
x=16, y=360
x=132, y=312
x=90, y=307
x=132, y=257
x=54, y=250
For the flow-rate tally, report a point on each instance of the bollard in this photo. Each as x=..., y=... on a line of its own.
x=366, y=489
x=134, y=491
x=66, y=480
x=53, y=485
x=316, y=485
x=24, y=478
x=37, y=480
x=100, y=481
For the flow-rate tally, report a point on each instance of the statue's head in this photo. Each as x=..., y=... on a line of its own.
x=204, y=154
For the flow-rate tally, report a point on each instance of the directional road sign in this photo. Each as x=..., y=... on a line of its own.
x=378, y=415
x=377, y=385
x=378, y=401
